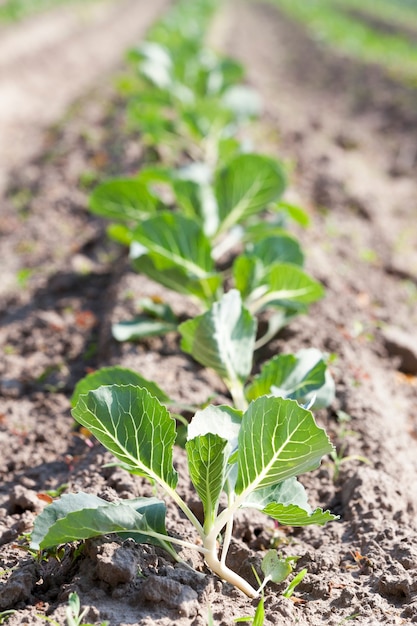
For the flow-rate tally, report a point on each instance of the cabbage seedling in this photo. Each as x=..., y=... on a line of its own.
x=250, y=459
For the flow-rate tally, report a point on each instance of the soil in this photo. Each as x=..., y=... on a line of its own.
x=48, y=61
x=348, y=141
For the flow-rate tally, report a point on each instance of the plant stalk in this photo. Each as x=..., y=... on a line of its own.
x=223, y=571
x=226, y=540
x=177, y=542
x=238, y=395
x=184, y=508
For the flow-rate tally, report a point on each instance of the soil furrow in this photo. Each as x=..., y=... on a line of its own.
x=49, y=61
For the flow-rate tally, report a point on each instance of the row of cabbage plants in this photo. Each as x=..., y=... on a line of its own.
x=206, y=220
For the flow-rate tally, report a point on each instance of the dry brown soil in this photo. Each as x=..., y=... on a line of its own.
x=48, y=61
x=347, y=135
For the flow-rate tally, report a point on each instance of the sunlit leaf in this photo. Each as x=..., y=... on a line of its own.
x=245, y=186
x=287, y=502
x=82, y=516
x=303, y=377
x=223, y=421
x=207, y=117
x=124, y=200
x=157, y=318
x=207, y=462
x=176, y=253
x=289, y=491
x=140, y=327
x=120, y=233
x=275, y=567
x=278, y=440
x=222, y=338
x=154, y=512
x=278, y=248
x=134, y=426
x=284, y=285
x=247, y=273
x=195, y=196
x=293, y=515
x=294, y=212
x=155, y=62
x=244, y=101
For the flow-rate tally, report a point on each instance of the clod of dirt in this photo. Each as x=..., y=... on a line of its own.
x=122, y=482
x=328, y=191
x=283, y=608
x=21, y=525
x=368, y=493
x=346, y=599
x=396, y=582
x=172, y=593
x=116, y=564
x=406, y=554
x=18, y=587
x=316, y=586
x=410, y=611
x=11, y=388
x=186, y=576
x=23, y=499
x=401, y=344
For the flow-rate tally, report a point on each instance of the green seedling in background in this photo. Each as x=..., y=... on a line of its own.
x=223, y=339
x=338, y=455
x=181, y=249
x=184, y=224
x=74, y=615
x=4, y=615
x=258, y=618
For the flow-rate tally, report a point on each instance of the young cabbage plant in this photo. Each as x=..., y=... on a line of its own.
x=181, y=249
x=243, y=459
x=185, y=99
x=277, y=568
x=185, y=20
x=223, y=339
x=156, y=318
x=174, y=251
x=205, y=209
x=230, y=194
x=185, y=67
x=217, y=200
x=188, y=98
